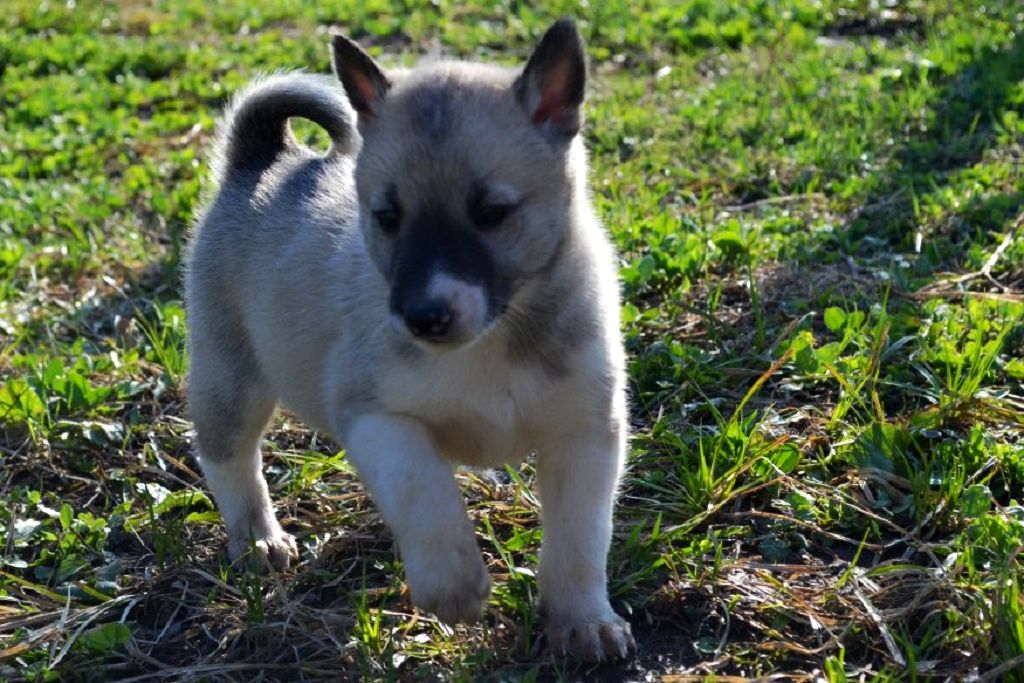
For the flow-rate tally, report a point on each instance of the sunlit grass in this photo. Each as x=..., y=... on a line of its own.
x=817, y=207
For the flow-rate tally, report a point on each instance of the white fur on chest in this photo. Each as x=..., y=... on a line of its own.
x=463, y=385
x=478, y=404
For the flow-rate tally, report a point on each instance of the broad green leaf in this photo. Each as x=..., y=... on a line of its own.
x=835, y=318
x=107, y=637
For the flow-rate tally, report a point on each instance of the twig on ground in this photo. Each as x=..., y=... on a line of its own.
x=941, y=287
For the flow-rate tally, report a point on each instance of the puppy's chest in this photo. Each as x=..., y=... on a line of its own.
x=480, y=412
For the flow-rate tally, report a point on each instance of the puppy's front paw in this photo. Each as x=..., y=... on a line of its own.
x=273, y=546
x=448, y=580
x=590, y=640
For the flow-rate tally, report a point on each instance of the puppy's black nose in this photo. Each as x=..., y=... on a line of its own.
x=430, y=319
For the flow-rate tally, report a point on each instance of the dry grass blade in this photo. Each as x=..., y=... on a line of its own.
x=942, y=287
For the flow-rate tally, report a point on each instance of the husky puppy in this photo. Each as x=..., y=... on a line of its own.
x=436, y=289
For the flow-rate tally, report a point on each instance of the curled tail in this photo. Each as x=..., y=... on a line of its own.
x=255, y=131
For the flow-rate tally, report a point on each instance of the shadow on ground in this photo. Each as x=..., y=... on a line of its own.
x=963, y=124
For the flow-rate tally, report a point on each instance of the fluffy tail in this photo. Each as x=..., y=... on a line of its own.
x=255, y=132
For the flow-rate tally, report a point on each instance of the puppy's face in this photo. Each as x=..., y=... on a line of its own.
x=465, y=180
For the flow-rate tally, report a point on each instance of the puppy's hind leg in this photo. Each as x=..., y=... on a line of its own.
x=230, y=406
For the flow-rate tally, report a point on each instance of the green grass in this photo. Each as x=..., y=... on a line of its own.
x=818, y=204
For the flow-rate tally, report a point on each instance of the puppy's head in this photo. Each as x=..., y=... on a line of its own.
x=466, y=179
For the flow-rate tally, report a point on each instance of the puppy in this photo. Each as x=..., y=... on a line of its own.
x=435, y=289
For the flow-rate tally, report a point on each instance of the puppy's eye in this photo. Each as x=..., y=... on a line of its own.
x=491, y=215
x=388, y=219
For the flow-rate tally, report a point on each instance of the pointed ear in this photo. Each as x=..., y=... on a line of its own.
x=551, y=85
x=364, y=81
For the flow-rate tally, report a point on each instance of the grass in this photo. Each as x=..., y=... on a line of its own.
x=819, y=209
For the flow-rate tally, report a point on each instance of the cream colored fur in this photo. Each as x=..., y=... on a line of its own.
x=288, y=301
